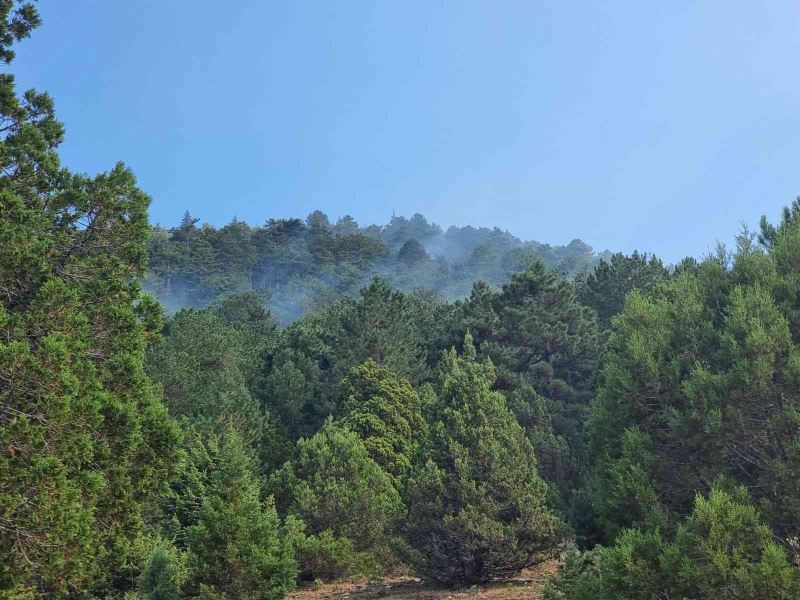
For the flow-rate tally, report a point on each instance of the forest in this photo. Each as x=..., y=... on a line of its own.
x=300, y=266
x=234, y=413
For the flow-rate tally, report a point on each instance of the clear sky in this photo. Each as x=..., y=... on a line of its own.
x=652, y=125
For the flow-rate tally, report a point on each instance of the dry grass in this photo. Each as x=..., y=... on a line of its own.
x=527, y=587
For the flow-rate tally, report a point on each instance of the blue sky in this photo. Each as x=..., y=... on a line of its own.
x=652, y=125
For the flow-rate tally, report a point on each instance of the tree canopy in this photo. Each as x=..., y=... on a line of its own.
x=318, y=400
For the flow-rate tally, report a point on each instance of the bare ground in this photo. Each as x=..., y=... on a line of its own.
x=528, y=586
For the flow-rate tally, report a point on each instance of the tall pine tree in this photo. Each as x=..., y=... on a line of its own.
x=83, y=439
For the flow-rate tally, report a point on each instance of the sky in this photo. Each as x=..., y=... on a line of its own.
x=658, y=126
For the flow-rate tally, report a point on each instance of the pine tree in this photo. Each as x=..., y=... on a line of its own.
x=476, y=502
x=382, y=327
x=412, y=253
x=703, y=373
x=545, y=346
x=333, y=484
x=605, y=288
x=202, y=366
x=721, y=550
x=83, y=439
x=161, y=578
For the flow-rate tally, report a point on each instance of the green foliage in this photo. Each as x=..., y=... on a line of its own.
x=385, y=412
x=384, y=327
x=333, y=484
x=306, y=366
x=305, y=266
x=163, y=576
x=604, y=288
x=228, y=540
x=546, y=347
x=202, y=366
x=700, y=382
x=476, y=503
x=236, y=543
x=17, y=20
x=658, y=411
x=721, y=550
x=412, y=253
x=256, y=328
x=626, y=493
x=705, y=369
x=325, y=557
x=83, y=438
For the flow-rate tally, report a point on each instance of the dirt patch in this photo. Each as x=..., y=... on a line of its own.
x=528, y=586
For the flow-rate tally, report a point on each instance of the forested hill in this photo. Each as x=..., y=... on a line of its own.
x=638, y=425
x=303, y=265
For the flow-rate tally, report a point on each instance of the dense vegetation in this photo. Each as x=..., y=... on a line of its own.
x=300, y=266
x=693, y=435
x=640, y=421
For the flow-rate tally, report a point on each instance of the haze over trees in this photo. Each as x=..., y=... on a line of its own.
x=462, y=417
x=303, y=265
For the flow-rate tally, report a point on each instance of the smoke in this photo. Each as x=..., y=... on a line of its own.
x=300, y=267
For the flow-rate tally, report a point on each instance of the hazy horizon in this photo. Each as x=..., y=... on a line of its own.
x=629, y=126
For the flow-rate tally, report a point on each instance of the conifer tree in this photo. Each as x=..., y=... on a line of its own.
x=412, y=253
x=383, y=328
x=333, y=484
x=702, y=374
x=477, y=507
x=236, y=543
x=545, y=346
x=83, y=439
x=161, y=579
x=721, y=550
x=604, y=289
x=202, y=365
x=384, y=410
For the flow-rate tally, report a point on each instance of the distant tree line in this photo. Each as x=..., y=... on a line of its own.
x=300, y=266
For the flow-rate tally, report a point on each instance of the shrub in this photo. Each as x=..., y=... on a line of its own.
x=325, y=557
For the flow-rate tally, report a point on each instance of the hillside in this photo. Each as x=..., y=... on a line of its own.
x=567, y=429
x=299, y=266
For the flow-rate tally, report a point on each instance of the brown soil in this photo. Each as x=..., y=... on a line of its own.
x=528, y=586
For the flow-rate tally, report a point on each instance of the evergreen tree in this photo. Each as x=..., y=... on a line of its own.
x=236, y=543
x=83, y=438
x=476, y=503
x=604, y=289
x=383, y=328
x=722, y=550
x=412, y=253
x=384, y=410
x=201, y=364
x=701, y=380
x=333, y=484
x=310, y=359
x=292, y=393
x=161, y=579
x=546, y=347
x=345, y=226
x=543, y=332
x=301, y=266
x=318, y=220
